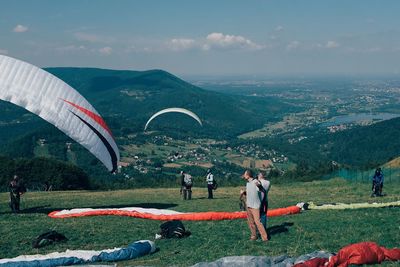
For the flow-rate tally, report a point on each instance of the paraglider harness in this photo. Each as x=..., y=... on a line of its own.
x=173, y=229
x=264, y=202
x=47, y=239
x=214, y=185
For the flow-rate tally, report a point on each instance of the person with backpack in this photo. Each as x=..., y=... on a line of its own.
x=16, y=189
x=253, y=203
x=186, y=185
x=210, y=184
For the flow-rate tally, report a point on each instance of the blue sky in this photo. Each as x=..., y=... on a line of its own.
x=208, y=37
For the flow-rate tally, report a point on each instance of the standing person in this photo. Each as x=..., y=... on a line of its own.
x=377, y=183
x=253, y=206
x=264, y=198
x=16, y=189
x=186, y=185
x=210, y=183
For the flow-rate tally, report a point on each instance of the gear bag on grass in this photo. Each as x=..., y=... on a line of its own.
x=48, y=238
x=173, y=229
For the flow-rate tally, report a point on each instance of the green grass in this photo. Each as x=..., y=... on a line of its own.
x=327, y=230
x=41, y=151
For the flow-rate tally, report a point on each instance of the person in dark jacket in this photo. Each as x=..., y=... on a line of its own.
x=210, y=183
x=16, y=189
x=377, y=183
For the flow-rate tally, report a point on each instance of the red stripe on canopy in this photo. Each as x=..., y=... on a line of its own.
x=92, y=115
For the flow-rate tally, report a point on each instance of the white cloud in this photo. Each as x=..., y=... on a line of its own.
x=279, y=28
x=86, y=37
x=373, y=50
x=20, y=28
x=293, y=45
x=221, y=40
x=93, y=38
x=317, y=46
x=71, y=48
x=105, y=50
x=365, y=50
x=181, y=44
x=3, y=51
x=332, y=44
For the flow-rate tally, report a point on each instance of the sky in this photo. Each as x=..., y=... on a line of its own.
x=206, y=37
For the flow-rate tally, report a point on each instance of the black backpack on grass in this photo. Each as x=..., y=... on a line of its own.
x=47, y=239
x=173, y=229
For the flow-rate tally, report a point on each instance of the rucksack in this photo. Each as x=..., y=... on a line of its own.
x=187, y=179
x=215, y=185
x=173, y=229
x=48, y=238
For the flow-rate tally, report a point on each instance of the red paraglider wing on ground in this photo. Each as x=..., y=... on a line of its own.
x=165, y=215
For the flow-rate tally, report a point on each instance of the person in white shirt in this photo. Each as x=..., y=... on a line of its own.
x=264, y=198
x=210, y=183
x=253, y=206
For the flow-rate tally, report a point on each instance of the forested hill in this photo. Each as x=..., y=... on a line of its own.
x=365, y=146
x=361, y=147
x=128, y=98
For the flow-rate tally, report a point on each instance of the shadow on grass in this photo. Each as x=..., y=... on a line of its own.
x=47, y=209
x=197, y=198
x=277, y=229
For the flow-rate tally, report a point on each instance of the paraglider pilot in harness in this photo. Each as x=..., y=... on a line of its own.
x=186, y=185
x=16, y=189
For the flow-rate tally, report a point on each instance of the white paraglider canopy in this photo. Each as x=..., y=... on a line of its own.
x=179, y=110
x=58, y=103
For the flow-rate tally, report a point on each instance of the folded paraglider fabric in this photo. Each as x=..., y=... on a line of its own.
x=359, y=253
x=255, y=261
x=342, y=206
x=166, y=215
x=71, y=257
x=363, y=253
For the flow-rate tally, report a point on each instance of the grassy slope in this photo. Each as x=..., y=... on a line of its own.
x=311, y=230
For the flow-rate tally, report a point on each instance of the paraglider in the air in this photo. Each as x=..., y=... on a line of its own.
x=58, y=103
x=179, y=110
